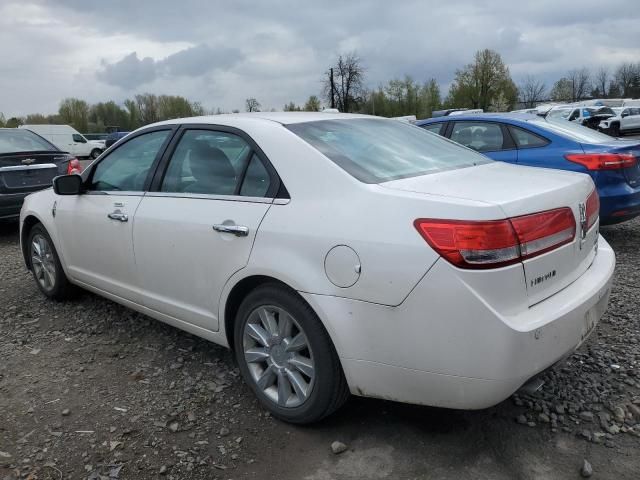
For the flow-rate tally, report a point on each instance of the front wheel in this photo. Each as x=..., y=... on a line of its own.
x=95, y=153
x=45, y=265
x=286, y=356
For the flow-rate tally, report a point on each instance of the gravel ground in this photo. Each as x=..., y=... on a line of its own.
x=91, y=390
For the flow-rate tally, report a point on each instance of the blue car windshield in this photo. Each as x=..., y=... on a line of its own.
x=376, y=150
x=572, y=131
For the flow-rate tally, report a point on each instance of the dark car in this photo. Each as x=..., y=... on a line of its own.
x=28, y=163
x=552, y=143
x=114, y=137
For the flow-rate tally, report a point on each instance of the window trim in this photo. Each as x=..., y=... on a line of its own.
x=163, y=165
x=508, y=143
x=515, y=142
x=87, y=174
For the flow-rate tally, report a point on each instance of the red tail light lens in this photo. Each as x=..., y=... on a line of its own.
x=593, y=208
x=603, y=161
x=492, y=244
x=74, y=167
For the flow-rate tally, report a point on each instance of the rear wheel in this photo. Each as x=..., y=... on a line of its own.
x=286, y=356
x=45, y=265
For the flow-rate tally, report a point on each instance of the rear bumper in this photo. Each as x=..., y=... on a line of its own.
x=10, y=204
x=616, y=207
x=445, y=346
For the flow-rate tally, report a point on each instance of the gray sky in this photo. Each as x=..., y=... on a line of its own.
x=219, y=53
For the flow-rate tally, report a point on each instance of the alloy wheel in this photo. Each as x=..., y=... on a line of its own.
x=278, y=356
x=43, y=262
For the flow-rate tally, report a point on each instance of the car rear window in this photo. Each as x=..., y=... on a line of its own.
x=13, y=140
x=572, y=131
x=375, y=150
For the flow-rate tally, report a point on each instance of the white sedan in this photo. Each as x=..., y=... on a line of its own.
x=334, y=254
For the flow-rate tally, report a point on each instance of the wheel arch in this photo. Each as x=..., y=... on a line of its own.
x=27, y=224
x=238, y=293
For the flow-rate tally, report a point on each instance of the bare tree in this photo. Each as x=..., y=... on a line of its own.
x=252, y=105
x=625, y=76
x=346, y=83
x=601, y=80
x=580, y=83
x=531, y=91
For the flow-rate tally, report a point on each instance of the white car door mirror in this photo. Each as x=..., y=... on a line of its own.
x=67, y=185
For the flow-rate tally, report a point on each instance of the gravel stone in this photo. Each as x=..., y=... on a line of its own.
x=338, y=447
x=586, y=471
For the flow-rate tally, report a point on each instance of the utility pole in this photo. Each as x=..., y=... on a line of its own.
x=333, y=88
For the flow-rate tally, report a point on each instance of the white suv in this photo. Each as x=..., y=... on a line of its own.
x=583, y=115
x=627, y=119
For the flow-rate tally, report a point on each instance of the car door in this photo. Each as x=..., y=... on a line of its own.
x=197, y=227
x=488, y=138
x=96, y=227
x=633, y=120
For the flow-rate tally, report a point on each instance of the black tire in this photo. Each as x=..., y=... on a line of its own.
x=95, y=153
x=329, y=390
x=614, y=130
x=60, y=288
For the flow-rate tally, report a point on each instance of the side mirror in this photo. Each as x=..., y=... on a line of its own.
x=625, y=114
x=67, y=184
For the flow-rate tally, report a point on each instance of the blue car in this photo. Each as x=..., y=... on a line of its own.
x=526, y=139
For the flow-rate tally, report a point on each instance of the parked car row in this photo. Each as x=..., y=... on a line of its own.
x=531, y=140
x=339, y=254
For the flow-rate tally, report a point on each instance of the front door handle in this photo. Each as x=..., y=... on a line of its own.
x=237, y=230
x=121, y=217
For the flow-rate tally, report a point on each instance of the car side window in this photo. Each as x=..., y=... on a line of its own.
x=207, y=162
x=433, y=127
x=256, y=181
x=574, y=115
x=79, y=138
x=480, y=136
x=126, y=168
x=525, y=139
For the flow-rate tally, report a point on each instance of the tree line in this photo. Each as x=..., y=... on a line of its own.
x=484, y=83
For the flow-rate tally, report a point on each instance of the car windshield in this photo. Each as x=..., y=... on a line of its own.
x=13, y=140
x=572, y=131
x=377, y=150
x=560, y=113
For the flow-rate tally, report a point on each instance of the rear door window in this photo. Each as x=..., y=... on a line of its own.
x=525, y=139
x=480, y=136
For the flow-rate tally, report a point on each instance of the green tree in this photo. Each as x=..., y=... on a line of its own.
x=291, y=107
x=562, y=90
x=481, y=83
x=3, y=122
x=312, y=104
x=75, y=112
x=14, y=122
x=108, y=114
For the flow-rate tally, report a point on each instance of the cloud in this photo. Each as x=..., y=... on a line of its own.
x=130, y=72
x=278, y=51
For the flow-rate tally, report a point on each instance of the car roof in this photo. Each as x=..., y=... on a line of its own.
x=284, y=118
x=505, y=116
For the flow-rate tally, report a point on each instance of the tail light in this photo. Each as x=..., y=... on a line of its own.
x=603, y=161
x=592, y=208
x=74, y=167
x=497, y=243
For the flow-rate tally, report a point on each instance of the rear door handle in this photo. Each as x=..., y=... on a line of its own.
x=237, y=230
x=121, y=217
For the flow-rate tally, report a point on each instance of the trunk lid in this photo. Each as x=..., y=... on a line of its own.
x=632, y=174
x=520, y=191
x=30, y=171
